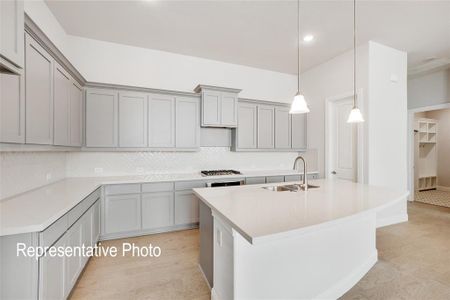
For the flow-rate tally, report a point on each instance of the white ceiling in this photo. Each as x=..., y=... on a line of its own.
x=262, y=34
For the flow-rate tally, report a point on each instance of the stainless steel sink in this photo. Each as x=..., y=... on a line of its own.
x=288, y=187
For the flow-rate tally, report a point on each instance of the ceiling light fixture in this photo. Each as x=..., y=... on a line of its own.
x=355, y=115
x=308, y=38
x=299, y=104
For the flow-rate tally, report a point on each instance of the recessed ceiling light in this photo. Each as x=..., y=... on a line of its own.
x=308, y=38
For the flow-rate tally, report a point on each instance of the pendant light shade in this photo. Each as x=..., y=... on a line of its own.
x=355, y=116
x=299, y=105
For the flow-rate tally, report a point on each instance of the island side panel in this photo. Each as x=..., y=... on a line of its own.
x=206, y=260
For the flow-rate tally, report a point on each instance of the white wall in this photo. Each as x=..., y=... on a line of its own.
x=113, y=63
x=430, y=89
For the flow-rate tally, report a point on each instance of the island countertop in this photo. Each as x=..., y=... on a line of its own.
x=260, y=215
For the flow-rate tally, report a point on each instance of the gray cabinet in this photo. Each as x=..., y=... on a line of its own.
x=282, y=128
x=76, y=115
x=298, y=129
x=132, y=119
x=72, y=263
x=186, y=208
x=161, y=121
x=266, y=125
x=101, y=118
x=95, y=221
x=52, y=274
x=38, y=94
x=247, y=126
x=187, y=121
x=157, y=210
x=61, y=98
x=219, y=106
x=12, y=108
x=11, y=31
x=122, y=213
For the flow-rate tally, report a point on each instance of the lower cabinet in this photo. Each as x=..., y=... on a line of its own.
x=122, y=213
x=157, y=210
x=72, y=263
x=51, y=276
x=186, y=208
x=95, y=221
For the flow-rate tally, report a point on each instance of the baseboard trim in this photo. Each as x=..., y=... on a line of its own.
x=346, y=283
x=392, y=220
x=443, y=188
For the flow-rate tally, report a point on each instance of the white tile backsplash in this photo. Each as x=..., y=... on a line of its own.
x=23, y=171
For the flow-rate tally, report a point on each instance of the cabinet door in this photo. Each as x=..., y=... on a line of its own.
x=132, y=119
x=11, y=31
x=38, y=94
x=282, y=128
x=12, y=108
x=76, y=115
x=61, y=90
x=298, y=130
x=101, y=118
x=157, y=210
x=95, y=215
x=187, y=134
x=211, y=108
x=86, y=233
x=52, y=274
x=266, y=126
x=161, y=121
x=228, y=106
x=186, y=208
x=122, y=213
x=246, y=130
x=73, y=262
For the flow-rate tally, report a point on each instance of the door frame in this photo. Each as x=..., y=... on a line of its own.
x=410, y=148
x=329, y=101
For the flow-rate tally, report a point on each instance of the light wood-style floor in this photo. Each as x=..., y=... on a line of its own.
x=414, y=263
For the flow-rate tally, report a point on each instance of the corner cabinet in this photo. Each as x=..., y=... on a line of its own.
x=11, y=31
x=219, y=106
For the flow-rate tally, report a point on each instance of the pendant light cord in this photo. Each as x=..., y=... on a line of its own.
x=354, y=53
x=298, y=46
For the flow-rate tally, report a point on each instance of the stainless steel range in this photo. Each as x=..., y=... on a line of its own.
x=222, y=182
x=219, y=172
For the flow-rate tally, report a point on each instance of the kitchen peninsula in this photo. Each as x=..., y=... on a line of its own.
x=293, y=245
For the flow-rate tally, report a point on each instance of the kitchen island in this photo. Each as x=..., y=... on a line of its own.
x=293, y=245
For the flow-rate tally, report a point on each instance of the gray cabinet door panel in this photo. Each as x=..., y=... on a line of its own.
x=247, y=122
x=76, y=115
x=282, y=128
x=61, y=122
x=161, y=121
x=122, y=213
x=95, y=215
x=186, y=208
x=12, y=108
x=132, y=119
x=157, y=210
x=228, y=105
x=298, y=130
x=266, y=122
x=101, y=118
x=11, y=31
x=211, y=108
x=187, y=123
x=38, y=94
x=72, y=263
x=52, y=274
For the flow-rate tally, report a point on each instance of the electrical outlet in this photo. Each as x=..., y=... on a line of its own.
x=48, y=176
x=98, y=170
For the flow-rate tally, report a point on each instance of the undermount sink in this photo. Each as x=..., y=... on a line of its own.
x=288, y=187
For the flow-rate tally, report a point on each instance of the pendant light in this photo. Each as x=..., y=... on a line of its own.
x=299, y=105
x=355, y=115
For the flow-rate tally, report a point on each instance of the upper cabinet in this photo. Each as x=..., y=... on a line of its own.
x=132, y=119
x=161, y=121
x=12, y=108
x=219, y=106
x=38, y=93
x=187, y=123
x=282, y=128
x=266, y=127
x=11, y=33
x=245, y=134
x=298, y=125
x=76, y=115
x=62, y=84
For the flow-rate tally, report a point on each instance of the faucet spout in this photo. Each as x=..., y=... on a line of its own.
x=305, y=178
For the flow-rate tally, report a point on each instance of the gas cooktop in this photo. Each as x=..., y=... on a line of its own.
x=219, y=172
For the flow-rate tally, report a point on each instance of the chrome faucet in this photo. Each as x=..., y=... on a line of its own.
x=305, y=179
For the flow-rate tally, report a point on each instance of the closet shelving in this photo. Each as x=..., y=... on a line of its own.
x=427, y=154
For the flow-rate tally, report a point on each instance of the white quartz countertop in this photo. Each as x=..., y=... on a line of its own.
x=35, y=210
x=261, y=215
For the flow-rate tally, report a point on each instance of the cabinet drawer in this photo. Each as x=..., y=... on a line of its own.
x=288, y=178
x=255, y=180
x=76, y=212
x=189, y=185
x=157, y=187
x=120, y=189
x=52, y=233
x=273, y=179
